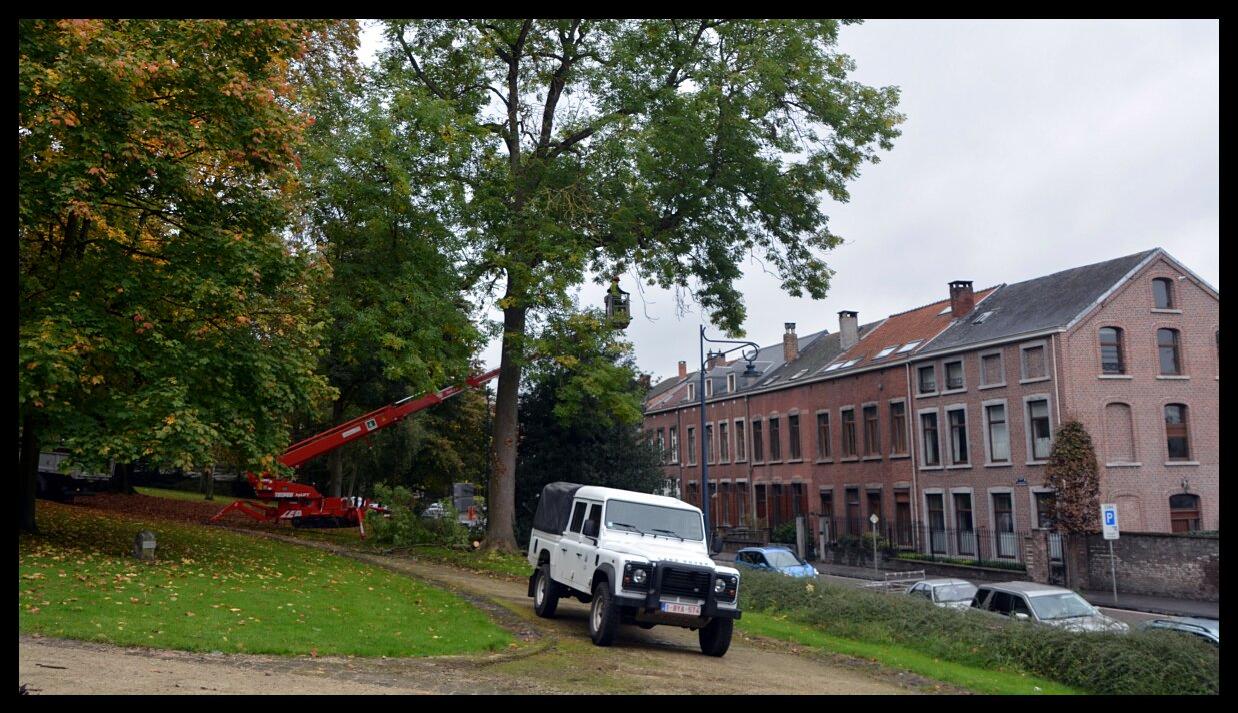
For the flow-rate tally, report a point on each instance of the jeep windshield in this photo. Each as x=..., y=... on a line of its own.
x=1067, y=605
x=654, y=520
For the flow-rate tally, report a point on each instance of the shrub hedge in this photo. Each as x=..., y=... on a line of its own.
x=1152, y=662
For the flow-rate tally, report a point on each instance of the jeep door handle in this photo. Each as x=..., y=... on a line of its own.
x=578, y=555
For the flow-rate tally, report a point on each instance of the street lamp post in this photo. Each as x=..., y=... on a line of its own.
x=749, y=371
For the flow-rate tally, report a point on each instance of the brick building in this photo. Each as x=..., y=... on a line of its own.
x=939, y=419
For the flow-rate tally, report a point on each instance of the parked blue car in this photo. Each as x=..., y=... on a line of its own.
x=779, y=559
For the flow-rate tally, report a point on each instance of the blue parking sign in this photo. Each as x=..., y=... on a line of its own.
x=1109, y=520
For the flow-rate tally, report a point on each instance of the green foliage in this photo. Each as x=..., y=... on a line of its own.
x=213, y=590
x=406, y=526
x=162, y=315
x=1148, y=663
x=1073, y=475
x=784, y=533
x=674, y=148
x=580, y=417
x=994, y=564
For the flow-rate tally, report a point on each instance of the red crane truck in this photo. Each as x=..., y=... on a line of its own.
x=301, y=504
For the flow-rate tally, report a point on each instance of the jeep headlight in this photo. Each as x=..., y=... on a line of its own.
x=726, y=586
x=719, y=585
x=636, y=575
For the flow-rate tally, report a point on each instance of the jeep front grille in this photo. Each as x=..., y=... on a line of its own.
x=685, y=583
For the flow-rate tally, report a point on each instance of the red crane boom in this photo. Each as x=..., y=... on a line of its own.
x=302, y=504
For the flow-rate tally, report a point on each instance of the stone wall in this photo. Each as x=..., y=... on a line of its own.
x=1179, y=566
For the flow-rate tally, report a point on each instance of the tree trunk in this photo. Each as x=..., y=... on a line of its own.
x=501, y=493
x=28, y=475
x=335, y=459
x=208, y=482
x=352, y=480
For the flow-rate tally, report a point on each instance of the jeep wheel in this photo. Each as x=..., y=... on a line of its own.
x=716, y=636
x=603, y=616
x=545, y=593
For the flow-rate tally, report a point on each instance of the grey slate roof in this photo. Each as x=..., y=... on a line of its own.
x=769, y=359
x=811, y=359
x=1037, y=304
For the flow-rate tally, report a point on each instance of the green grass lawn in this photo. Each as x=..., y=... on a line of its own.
x=213, y=590
x=980, y=680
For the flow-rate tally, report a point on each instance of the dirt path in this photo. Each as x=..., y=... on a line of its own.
x=557, y=657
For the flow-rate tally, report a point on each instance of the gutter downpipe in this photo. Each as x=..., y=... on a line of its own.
x=911, y=448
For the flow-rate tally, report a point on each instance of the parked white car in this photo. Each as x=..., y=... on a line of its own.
x=945, y=592
x=1044, y=604
x=635, y=558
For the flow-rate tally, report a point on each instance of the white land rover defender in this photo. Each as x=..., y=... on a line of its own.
x=637, y=558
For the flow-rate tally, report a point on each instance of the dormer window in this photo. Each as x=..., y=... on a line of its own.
x=691, y=392
x=709, y=388
x=730, y=383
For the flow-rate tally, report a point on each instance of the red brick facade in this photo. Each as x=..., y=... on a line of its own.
x=983, y=484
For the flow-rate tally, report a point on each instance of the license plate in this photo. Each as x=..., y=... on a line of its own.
x=673, y=608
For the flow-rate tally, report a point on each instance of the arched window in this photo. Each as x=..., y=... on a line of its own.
x=1183, y=512
x=1163, y=292
x=1111, y=361
x=1167, y=347
x=1119, y=433
x=1177, y=438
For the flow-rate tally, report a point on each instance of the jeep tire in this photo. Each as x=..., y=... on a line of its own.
x=716, y=636
x=545, y=593
x=603, y=615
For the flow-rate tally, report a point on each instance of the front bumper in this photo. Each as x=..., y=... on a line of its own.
x=650, y=600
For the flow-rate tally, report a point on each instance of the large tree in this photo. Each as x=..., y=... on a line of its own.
x=398, y=321
x=672, y=148
x=163, y=312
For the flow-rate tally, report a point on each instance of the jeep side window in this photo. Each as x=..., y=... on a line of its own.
x=1000, y=603
x=977, y=600
x=1019, y=606
x=578, y=517
x=595, y=516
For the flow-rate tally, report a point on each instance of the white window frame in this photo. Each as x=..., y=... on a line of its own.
x=1023, y=378
x=1027, y=427
x=948, y=455
x=945, y=376
x=842, y=438
x=906, y=442
x=864, y=424
x=816, y=432
x=952, y=521
x=936, y=385
x=730, y=383
x=1014, y=518
x=724, y=441
x=1001, y=357
x=672, y=434
x=920, y=439
x=988, y=449
x=709, y=387
x=690, y=436
x=928, y=522
x=738, y=425
x=692, y=391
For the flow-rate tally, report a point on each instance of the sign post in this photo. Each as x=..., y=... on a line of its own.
x=1109, y=526
x=873, y=519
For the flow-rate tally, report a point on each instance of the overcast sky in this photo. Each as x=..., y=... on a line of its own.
x=1029, y=147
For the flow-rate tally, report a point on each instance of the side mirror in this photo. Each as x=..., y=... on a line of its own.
x=715, y=545
x=1020, y=615
x=590, y=529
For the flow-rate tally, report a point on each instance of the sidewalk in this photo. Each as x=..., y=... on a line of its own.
x=1154, y=605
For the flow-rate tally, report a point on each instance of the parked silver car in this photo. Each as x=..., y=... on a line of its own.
x=1207, y=629
x=945, y=592
x=1044, y=604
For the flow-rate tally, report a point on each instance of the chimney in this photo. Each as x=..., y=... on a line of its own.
x=683, y=369
x=848, y=329
x=962, y=299
x=790, y=343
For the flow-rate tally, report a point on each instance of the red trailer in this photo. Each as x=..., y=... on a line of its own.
x=302, y=504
